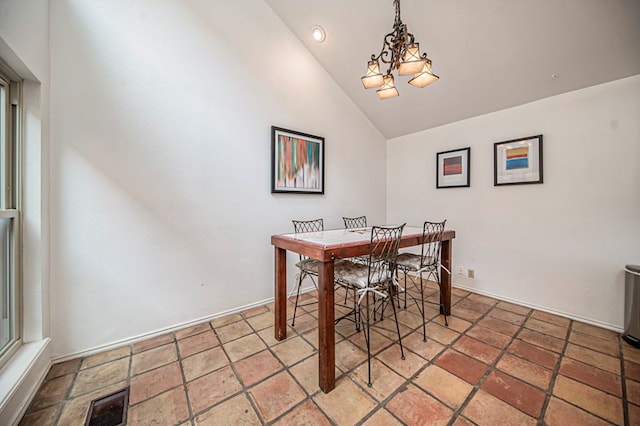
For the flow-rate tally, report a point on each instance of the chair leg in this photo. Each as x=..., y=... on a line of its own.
x=295, y=308
x=374, y=309
x=405, y=291
x=395, y=316
x=367, y=337
x=356, y=310
x=424, y=325
x=405, y=287
x=356, y=307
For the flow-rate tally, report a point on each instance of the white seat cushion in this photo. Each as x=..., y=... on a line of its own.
x=412, y=261
x=311, y=266
x=357, y=274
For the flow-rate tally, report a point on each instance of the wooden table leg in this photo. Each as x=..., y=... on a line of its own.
x=326, y=328
x=280, y=293
x=445, y=278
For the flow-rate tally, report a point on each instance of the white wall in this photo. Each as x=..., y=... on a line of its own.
x=561, y=245
x=161, y=211
x=24, y=45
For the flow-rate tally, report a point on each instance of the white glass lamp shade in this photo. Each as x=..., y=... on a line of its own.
x=424, y=77
x=373, y=78
x=411, y=63
x=388, y=89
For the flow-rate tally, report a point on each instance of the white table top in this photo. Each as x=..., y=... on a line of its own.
x=342, y=236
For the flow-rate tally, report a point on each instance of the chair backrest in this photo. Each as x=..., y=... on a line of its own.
x=307, y=225
x=383, y=251
x=300, y=226
x=431, y=242
x=355, y=222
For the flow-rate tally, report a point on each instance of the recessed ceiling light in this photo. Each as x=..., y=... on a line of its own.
x=318, y=33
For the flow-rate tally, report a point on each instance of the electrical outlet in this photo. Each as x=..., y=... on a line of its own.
x=471, y=273
x=461, y=270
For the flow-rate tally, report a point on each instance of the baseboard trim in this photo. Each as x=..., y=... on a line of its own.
x=21, y=378
x=541, y=308
x=175, y=327
x=158, y=332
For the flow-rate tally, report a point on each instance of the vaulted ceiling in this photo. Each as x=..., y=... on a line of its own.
x=489, y=54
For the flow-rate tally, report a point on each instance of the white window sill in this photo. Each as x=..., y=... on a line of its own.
x=20, y=379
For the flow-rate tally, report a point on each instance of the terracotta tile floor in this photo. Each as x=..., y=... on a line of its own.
x=495, y=364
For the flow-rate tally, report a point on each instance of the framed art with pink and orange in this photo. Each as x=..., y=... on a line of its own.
x=452, y=169
x=297, y=162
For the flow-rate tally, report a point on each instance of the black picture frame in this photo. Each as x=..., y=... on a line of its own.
x=518, y=161
x=297, y=162
x=453, y=168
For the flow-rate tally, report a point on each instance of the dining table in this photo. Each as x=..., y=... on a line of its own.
x=327, y=246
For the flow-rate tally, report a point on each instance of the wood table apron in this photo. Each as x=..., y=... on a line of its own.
x=327, y=253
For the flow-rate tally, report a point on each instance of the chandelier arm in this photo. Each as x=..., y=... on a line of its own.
x=385, y=52
x=384, y=55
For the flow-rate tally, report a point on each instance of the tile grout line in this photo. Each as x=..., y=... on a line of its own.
x=557, y=373
x=67, y=394
x=129, y=371
x=183, y=375
x=407, y=381
x=309, y=397
x=554, y=375
x=380, y=406
x=245, y=389
x=264, y=379
x=457, y=412
x=491, y=367
x=346, y=375
x=428, y=362
x=132, y=376
x=383, y=403
x=623, y=383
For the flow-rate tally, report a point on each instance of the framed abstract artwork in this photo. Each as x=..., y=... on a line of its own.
x=452, y=168
x=297, y=162
x=518, y=161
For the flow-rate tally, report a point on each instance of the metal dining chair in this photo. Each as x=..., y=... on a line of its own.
x=355, y=222
x=374, y=281
x=358, y=224
x=307, y=267
x=427, y=265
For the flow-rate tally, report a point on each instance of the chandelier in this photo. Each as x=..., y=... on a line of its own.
x=401, y=52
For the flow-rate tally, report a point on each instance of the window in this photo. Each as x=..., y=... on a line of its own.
x=10, y=319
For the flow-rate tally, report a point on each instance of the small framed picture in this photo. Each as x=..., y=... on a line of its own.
x=452, y=168
x=297, y=162
x=518, y=161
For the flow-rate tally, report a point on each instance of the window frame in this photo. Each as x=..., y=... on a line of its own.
x=11, y=202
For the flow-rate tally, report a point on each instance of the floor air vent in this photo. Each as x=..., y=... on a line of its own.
x=110, y=410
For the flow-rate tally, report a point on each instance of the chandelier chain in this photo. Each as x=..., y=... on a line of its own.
x=396, y=3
